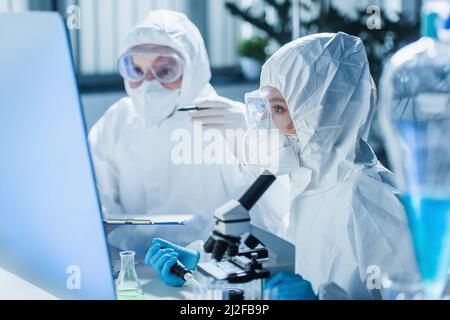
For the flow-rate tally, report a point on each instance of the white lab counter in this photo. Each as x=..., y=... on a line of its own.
x=155, y=289
x=15, y=288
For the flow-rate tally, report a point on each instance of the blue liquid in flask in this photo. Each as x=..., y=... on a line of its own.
x=429, y=221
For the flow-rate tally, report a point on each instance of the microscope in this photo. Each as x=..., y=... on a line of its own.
x=243, y=255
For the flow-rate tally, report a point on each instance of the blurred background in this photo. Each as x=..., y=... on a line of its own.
x=239, y=35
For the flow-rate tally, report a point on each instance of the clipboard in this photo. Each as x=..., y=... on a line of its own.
x=149, y=220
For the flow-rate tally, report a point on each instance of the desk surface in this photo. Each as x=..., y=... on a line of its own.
x=155, y=289
x=15, y=288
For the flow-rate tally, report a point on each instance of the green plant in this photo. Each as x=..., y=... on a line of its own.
x=280, y=32
x=379, y=43
x=254, y=48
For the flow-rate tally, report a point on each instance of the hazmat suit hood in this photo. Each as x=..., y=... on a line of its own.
x=326, y=82
x=345, y=216
x=175, y=30
x=134, y=160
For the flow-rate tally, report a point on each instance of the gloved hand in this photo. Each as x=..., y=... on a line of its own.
x=331, y=291
x=163, y=255
x=220, y=113
x=284, y=286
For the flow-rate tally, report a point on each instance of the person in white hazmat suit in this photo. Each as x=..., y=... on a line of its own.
x=166, y=68
x=346, y=223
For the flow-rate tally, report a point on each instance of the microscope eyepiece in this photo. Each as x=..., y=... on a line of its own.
x=256, y=191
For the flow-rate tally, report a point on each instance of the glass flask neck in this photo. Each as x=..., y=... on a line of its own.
x=128, y=285
x=128, y=273
x=127, y=260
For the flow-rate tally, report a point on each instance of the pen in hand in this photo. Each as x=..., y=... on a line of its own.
x=192, y=109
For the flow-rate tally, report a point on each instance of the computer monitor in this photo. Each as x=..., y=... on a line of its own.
x=51, y=231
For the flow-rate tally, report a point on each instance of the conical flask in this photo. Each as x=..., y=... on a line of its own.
x=128, y=285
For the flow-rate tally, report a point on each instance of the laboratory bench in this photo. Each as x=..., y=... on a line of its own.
x=14, y=288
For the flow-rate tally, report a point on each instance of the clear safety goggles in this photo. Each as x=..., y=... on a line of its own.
x=165, y=64
x=267, y=110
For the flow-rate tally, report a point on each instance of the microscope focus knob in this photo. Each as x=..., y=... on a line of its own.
x=234, y=294
x=252, y=242
x=219, y=249
x=209, y=245
x=233, y=250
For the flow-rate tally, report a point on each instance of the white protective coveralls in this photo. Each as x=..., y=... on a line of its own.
x=132, y=157
x=346, y=221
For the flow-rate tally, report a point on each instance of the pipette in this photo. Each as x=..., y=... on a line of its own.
x=181, y=271
x=184, y=273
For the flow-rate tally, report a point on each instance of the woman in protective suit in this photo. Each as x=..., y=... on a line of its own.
x=346, y=223
x=165, y=67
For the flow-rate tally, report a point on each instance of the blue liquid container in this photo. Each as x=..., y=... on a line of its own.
x=429, y=221
x=415, y=120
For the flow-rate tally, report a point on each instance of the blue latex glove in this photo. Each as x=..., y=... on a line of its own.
x=284, y=286
x=163, y=255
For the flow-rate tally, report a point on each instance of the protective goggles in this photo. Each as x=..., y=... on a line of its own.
x=165, y=64
x=267, y=109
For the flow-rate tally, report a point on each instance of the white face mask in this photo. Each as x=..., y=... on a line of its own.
x=272, y=150
x=289, y=155
x=156, y=102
